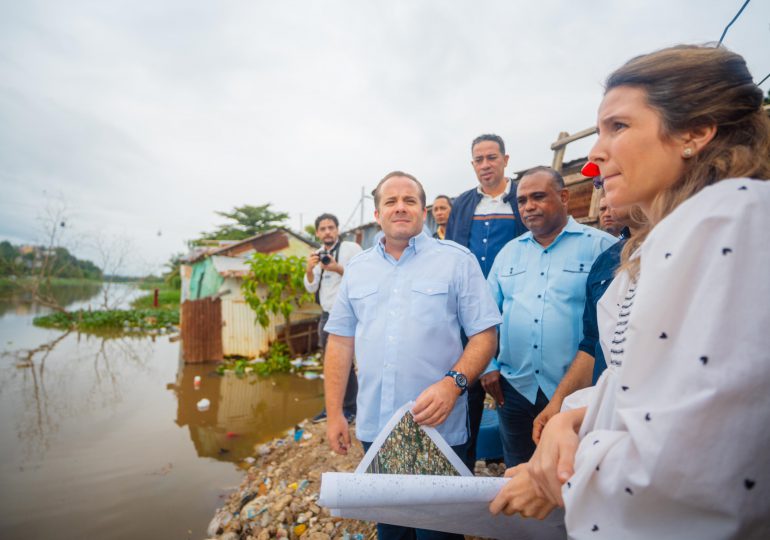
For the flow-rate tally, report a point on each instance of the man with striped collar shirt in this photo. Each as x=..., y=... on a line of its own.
x=484, y=219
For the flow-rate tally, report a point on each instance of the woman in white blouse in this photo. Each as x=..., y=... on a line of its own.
x=675, y=440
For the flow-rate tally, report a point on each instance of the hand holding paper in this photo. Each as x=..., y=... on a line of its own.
x=411, y=477
x=435, y=403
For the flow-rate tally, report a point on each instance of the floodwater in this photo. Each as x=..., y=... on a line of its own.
x=101, y=438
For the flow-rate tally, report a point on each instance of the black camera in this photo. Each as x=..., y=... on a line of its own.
x=325, y=256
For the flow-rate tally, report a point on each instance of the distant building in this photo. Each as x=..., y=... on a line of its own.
x=224, y=323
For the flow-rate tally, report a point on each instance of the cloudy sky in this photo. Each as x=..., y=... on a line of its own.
x=142, y=118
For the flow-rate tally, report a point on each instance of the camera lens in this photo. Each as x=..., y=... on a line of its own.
x=325, y=259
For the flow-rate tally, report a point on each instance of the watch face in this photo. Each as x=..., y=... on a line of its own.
x=461, y=380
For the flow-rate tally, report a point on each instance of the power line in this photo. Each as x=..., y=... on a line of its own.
x=763, y=80
x=746, y=3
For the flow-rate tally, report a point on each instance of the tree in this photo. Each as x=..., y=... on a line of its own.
x=113, y=253
x=248, y=221
x=275, y=285
x=172, y=276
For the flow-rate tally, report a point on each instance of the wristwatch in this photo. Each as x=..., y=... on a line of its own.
x=460, y=380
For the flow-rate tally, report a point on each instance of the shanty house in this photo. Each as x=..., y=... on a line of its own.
x=216, y=320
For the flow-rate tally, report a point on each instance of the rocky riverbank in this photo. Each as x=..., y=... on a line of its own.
x=278, y=496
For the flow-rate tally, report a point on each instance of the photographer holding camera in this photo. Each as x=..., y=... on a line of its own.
x=323, y=276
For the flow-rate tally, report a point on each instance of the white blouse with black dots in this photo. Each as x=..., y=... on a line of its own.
x=676, y=438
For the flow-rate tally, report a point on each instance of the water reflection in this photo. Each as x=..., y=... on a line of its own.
x=243, y=411
x=94, y=445
x=72, y=296
x=21, y=302
x=87, y=374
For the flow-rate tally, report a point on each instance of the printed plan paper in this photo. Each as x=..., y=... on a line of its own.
x=410, y=476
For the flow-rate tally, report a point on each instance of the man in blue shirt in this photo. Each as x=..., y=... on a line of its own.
x=538, y=280
x=484, y=219
x=400, y=307
x=589, y=362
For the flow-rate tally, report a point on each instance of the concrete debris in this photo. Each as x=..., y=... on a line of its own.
x=278, y=496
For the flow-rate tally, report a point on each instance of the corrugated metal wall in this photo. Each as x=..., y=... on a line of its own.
x=241, y=334
x=205, y=280
x=202, y=330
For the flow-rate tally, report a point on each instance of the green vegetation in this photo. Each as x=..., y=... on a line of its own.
x=248, y=221
x=277, y=361
x=275, y=286
x=151, y=285
x=167, y=299
x=117, y=319
x=172, y=277
x=50, y=263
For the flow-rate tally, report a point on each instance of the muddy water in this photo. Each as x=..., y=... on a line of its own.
x=102, y=438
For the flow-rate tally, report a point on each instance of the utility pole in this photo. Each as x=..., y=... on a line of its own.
x=363, y=195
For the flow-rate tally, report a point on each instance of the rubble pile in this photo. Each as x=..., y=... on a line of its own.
x=278, y=496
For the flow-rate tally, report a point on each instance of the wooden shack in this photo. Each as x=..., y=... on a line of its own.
x=216, y=321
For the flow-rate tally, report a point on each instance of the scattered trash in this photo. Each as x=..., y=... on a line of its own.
x=278, y=497
x=250, y=460
x=311, y=375
x=263, y=449
x=221, y=519
x=231, y=435
x=197, y=382
x=246, y=498
x=203, y=405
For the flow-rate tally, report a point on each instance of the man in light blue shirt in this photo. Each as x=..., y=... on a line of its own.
x=401, y=306
x=538, y=280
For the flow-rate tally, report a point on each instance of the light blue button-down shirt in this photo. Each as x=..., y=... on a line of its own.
x=406, y=317
x=542, y=292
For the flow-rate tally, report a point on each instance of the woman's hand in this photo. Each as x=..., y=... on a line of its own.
x=553, y=462
x=517, y=496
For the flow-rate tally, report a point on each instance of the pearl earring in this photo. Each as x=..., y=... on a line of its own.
x=687, y=153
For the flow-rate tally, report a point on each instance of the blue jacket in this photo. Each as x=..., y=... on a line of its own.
x=458, y=228
x=599, y=278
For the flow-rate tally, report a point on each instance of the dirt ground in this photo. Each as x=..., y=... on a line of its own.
x=278, y=496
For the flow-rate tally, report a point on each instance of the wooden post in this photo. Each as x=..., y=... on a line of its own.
x=558, y=154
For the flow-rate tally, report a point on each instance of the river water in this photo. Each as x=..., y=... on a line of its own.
x=101, y=438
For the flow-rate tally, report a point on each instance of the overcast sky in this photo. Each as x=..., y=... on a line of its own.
x=143, y=118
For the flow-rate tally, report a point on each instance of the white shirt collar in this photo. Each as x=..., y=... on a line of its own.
x=501, y=196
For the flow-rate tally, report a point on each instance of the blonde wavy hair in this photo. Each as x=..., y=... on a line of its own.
x=691, y=87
